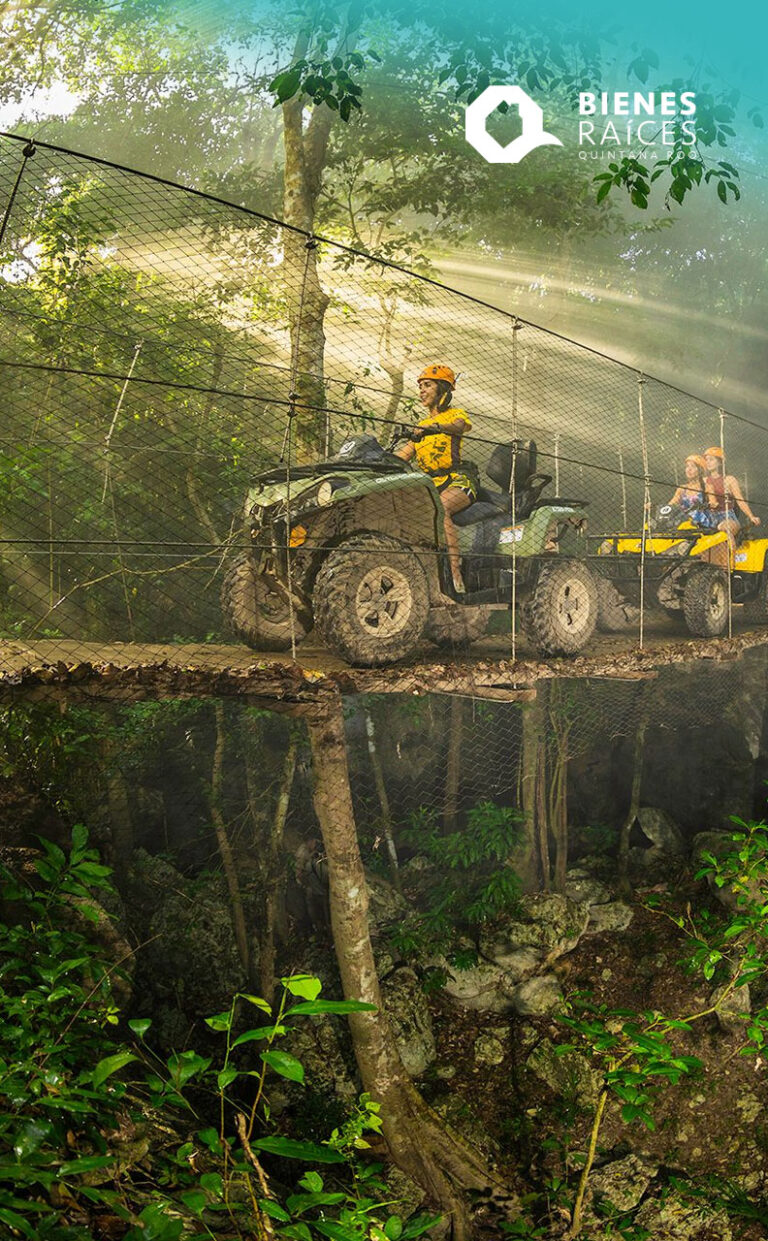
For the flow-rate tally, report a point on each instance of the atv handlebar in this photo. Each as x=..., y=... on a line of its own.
x=403, y=431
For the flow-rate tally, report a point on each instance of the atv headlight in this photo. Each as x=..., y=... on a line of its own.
x=325, y=493
x=605, y=548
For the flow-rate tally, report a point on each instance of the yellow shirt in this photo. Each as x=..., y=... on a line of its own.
x=436, y=453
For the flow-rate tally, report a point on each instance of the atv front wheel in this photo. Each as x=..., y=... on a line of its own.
x=561, y=613
x=614, y=613
x=371, y=600
x=257, y=609
x=705, y=602
x=458, y=626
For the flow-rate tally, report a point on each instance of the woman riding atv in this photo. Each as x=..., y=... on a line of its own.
x=436, y=445
x=724, y=497
x=690, y=495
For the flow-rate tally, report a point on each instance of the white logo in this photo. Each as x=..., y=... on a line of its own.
x=531, y=115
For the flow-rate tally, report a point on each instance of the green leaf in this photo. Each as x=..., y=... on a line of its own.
x=226, y=1077
x=109, y=1065
x=298, y=1232
x=419, y=1224
x=157, y=1225
x=186, y=1065
x=338, y=1232
x=604, y=191
x=284, y=1064
x=195, y=1200
x=211, y=1138
x=393, y=1229
x=79, y=839
x=274, y=1210
x=31, y=1137
x=304, y=985
x=19, y=1223
x=257, y=1000
x=89, y=1163
x=722, y=192
x=330, y=1006
x=212, y=1183
x=220, y=1021
x=285, y=85
x=258, y=1032
x=289, y=1148
x=312, y=1182
x=139, y=1025
x=297, y=1203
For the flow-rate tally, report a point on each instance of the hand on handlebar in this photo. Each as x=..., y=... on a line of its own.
x=420, y=433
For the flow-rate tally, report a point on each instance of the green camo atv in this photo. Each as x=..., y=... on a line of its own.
x=369, y=568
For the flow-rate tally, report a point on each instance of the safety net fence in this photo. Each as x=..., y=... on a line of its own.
x=209, y=436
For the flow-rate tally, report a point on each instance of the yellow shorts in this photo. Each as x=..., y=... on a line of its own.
x=456, y=480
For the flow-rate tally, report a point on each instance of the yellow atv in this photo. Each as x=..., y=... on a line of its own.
x=687, y=572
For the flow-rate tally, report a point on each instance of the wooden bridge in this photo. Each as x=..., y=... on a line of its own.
x=57, y=668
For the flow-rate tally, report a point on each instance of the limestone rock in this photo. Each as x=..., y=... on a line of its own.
x=570, y=1074
x=317, y=1045
x=661, y=830
x=624, y=1182
x=538, y=996
x=550, y=925
x=484, y=987
x=189, y=966
x=406, y=1006
x=674, y=1219
x=518, y=963
x=615, y=916
x=733, y=1008
x=385, y=904
x=583, y=888
x=489, y=1049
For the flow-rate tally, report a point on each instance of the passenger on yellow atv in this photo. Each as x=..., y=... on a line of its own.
x=724, y=497
x=436, y=445
x=690, y=495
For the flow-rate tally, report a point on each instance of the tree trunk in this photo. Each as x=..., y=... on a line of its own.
x=524, y=858
x=272, y=884
x=307, y=301
x=560, y=726
x=420, y=1144
x=453, y=764
x=118, y=804
x=634, y=796
x=225, y=848
x=381, y=789
x=29, y=577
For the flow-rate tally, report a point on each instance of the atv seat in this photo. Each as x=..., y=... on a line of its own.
x=528, y=485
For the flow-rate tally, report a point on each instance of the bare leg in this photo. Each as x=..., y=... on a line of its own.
x=454, y=500
x=731, y=527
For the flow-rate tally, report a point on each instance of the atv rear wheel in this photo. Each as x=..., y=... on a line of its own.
x=371, y=600
x=755, y=612
x=614, y=613
x=705, y=602
x=561, y=613
x=257, y=609
x=458, y=626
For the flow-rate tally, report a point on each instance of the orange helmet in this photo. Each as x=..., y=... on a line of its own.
x=697, y=460
x=715, y=452
x=436, y=372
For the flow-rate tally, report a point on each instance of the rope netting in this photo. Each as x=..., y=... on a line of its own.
x=548, y=777
x=161, y=349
